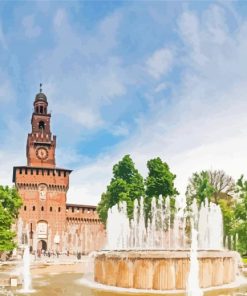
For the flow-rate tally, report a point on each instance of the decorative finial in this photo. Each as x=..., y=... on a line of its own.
x=40, y=85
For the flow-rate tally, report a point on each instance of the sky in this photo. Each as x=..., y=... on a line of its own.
x=145, y=78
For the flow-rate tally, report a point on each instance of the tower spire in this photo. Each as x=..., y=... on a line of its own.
x=40, y=87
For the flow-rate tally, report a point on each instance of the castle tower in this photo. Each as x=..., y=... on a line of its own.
x=42, y=186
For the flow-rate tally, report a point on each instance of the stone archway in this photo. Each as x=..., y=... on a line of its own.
x=42, y=245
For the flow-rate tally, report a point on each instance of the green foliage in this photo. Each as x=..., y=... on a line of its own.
x=126, y=185
x=199, y=188
x=241, y=216
x=228, y=216
x=244, y=260
x=217, y=187
x=10, y=202
x=160, y=181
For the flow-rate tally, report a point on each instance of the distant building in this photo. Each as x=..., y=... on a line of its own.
x=50, y=222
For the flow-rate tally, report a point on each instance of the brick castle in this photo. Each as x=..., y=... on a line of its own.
x=46, y=218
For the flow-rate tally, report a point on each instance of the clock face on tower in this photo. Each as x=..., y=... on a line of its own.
x=42, y=153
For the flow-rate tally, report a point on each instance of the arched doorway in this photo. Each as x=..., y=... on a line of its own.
x=42, y=245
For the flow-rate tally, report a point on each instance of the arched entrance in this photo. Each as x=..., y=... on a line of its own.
x=42, y=245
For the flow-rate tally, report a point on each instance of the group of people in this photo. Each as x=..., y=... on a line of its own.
x=53, y=254
x=48, y=253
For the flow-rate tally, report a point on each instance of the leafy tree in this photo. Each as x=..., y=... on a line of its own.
x=223, y=185
x=10, y=202
x=160, y=181
x=126, y=185
x=199, y=188
x=214, y=185
x=217, y=187
x=241, y=216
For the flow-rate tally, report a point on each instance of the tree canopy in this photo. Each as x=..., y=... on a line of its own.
x=217, y=187
x=127, y=185
x=213, y=185
x=160, y=180
x=10, y=202
x=241, y=215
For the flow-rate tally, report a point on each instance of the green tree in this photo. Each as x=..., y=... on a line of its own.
x=160, y=180
x=199, y=188
x=126, y=185
x=10, y=202
x=217, y=187
x=241, y=215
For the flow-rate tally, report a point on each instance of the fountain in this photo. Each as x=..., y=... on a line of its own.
x=160, y=252
x=27, y=285
x=26, y=275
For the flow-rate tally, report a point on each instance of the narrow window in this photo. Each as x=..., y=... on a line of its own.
x=41, y=125
x=59, y=209
x=33, y=208
x=72, y=210
x=25, y=208
x=41, y=109
x=42, y=209
x=59, y=173
x=37, y=110
x=50, y=209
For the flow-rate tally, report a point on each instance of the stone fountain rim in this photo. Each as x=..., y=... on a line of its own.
x=159, y=254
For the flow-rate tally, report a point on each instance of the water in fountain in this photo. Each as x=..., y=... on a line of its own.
x=164, y=229
x=193, y=286
x=27, y=285
x=27, y=282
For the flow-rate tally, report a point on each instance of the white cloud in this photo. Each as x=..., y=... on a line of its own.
x=30, y=29
x=120, y=130
x=59, y=18
x=160, y=62
x=90, y=74
x=160, y=87
x=205, y=128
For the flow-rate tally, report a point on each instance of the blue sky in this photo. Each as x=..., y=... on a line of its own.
x=146, y=78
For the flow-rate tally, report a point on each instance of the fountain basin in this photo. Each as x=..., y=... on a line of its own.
x=163, y=270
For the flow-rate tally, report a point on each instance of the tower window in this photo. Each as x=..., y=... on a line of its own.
x=41, y=125
x=33, y=208
x=50, y=209
x=36, y=110
x=42, y=209
x=25, y=208
x=41, y=109
x=59, y=209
